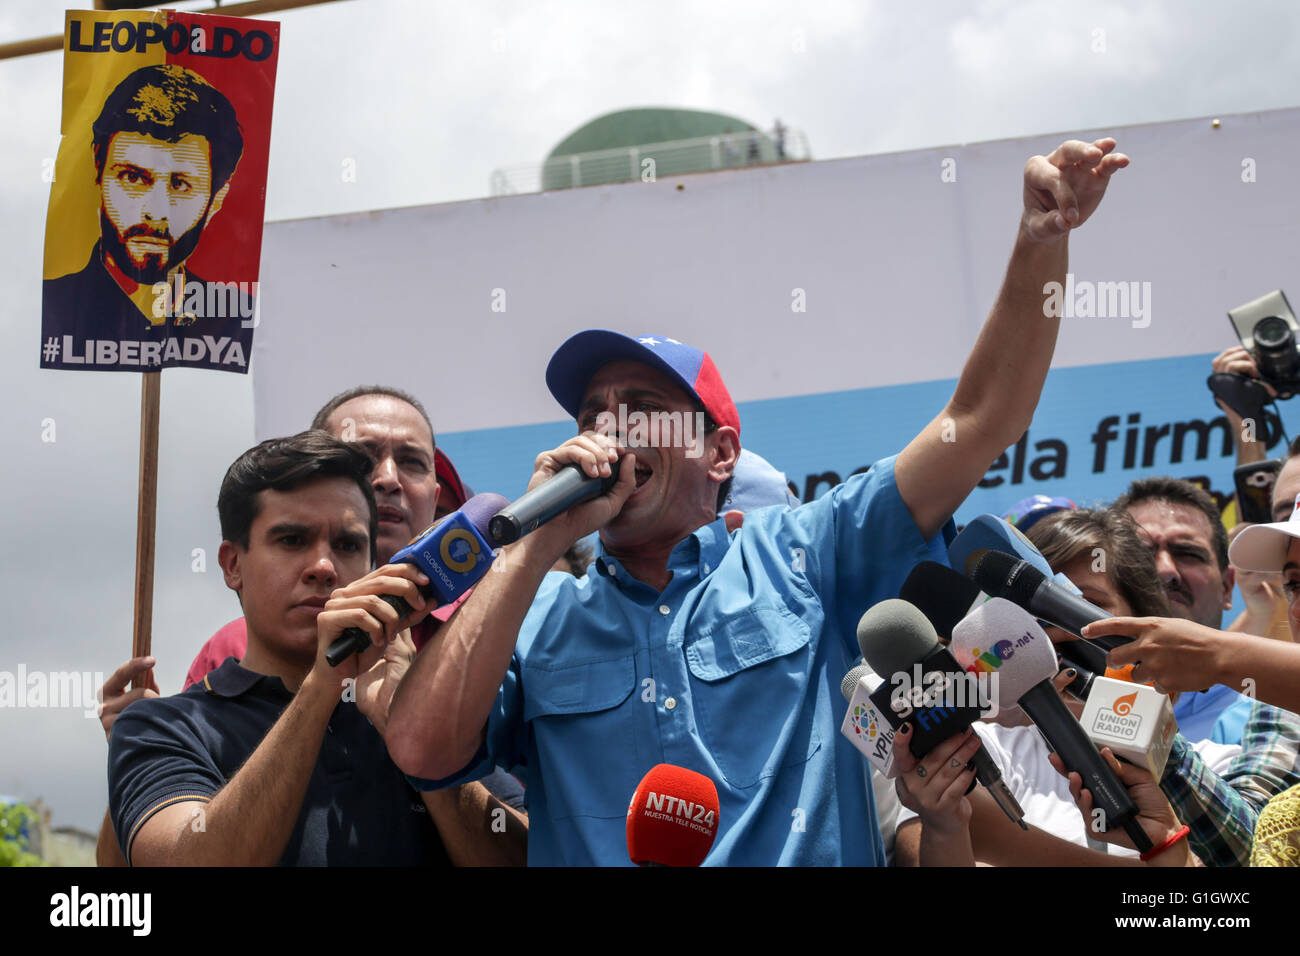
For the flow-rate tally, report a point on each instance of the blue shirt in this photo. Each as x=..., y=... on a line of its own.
x=732, y=671
x=1231, y=725
x=1198, y=712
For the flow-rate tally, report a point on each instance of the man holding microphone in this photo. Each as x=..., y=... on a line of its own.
x=686, y=645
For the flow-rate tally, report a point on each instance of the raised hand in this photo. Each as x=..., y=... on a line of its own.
x=1064, y=188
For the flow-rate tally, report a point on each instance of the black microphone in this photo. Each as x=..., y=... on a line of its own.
x=567, y=487
x=945, y=597
x=897, y=639
x=941, y=594
x=1001, y=575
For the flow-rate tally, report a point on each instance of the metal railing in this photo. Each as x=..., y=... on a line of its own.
x=654, y=160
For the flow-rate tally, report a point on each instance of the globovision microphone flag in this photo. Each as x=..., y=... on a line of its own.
x=991, y=533
x=454, y=553
x=1002, y=639
x=926, y=688
x=673, y=817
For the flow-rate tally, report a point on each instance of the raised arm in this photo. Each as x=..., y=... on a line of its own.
x=1180, y=655
x=1000, y=383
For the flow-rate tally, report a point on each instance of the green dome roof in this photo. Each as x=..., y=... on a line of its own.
x=700, y=141
x=647, y=125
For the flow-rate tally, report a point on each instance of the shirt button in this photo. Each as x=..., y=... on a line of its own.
x=670, y=703
x=665, y=609
x=707, y=569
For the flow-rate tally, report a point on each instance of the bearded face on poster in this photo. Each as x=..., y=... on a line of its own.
x=165, y=146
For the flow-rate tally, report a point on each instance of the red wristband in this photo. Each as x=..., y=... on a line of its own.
x=1156, y=851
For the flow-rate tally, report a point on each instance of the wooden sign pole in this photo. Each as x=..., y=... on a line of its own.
x=146, y=515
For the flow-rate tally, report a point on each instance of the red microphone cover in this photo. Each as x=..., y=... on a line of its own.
x=673, y=818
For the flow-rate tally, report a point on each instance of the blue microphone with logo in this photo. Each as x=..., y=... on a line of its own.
x=453, y=552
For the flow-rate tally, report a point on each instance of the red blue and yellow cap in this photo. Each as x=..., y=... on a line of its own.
x=578, y=359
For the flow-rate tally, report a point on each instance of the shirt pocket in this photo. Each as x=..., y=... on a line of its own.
x=753, y=672
x=584, y=734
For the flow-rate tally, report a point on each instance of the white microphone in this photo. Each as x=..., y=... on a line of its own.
x=1135, y=721
x=864, y=725
x=1003, y=641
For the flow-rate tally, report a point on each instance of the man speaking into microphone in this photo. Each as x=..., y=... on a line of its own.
x=685, y=645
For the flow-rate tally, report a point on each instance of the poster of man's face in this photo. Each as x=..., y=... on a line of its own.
x=161, y=275
x=165, y=148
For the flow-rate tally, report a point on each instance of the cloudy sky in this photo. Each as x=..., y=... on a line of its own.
x=425, y=99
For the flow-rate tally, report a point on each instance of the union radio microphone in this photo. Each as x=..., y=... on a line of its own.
x=1004, y=640
x=673, y=818
x=898, y=640
x=567, y=487
x=453, y=552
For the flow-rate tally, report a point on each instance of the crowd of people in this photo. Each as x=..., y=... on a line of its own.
x=694, y=614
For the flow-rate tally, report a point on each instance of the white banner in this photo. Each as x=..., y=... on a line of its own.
x=833, y=296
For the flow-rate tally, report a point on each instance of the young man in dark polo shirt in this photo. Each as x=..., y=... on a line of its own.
x=269, y=760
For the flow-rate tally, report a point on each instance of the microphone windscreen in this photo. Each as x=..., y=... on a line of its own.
x=1001, y=638
x=941, y=594
x=479, y=510
x=850, y=682
x=1003, y=576
x=673, y=817
x=893, y=635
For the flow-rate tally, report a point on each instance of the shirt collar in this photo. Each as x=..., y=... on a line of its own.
x=232, y=680
x=702, y=550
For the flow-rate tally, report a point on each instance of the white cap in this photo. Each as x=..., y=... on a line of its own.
x=1263, y=547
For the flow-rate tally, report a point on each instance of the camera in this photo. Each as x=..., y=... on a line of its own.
x=1267, y=328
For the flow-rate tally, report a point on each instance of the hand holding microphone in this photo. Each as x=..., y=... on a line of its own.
x=935, y=786
x=926, y=689
x=1155, y=815
x=1172, y=653
x=364, y=612
x=1004, y=641
x=451, y=554
x=576, y=489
